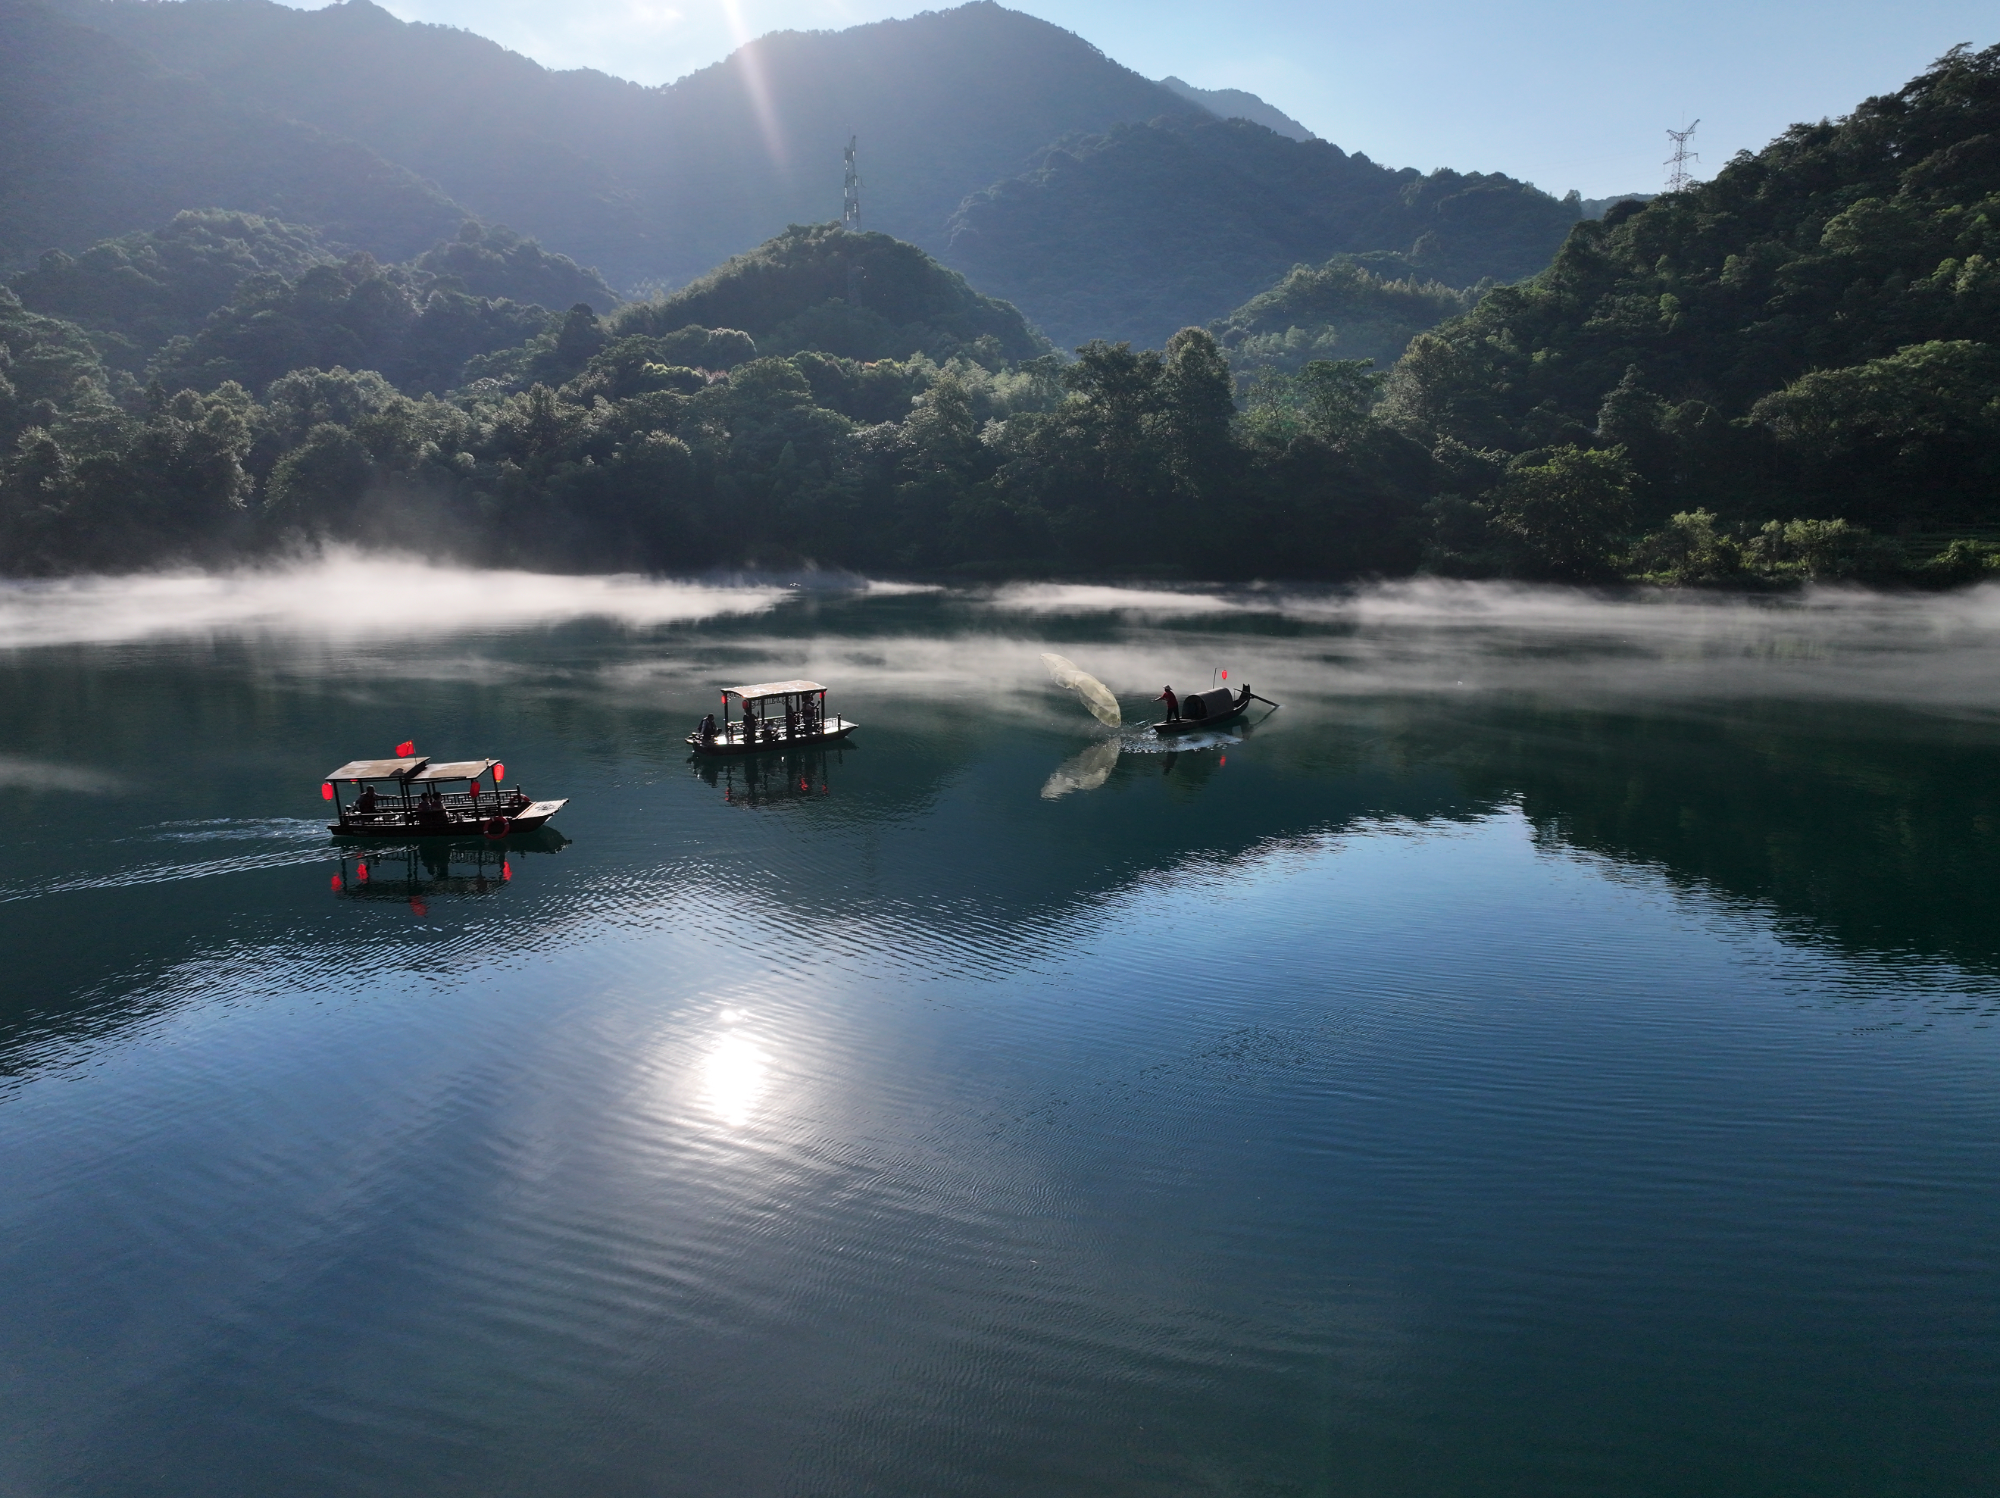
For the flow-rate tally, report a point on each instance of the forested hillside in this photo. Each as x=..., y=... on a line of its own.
x=1790, y=372
x=1151, y=227
x=1817, y=330
x=97, y=139
x=1346, y=309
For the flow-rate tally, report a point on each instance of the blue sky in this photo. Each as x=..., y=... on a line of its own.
x=1563, y=93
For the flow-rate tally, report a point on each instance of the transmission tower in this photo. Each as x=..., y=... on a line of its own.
x=1676, y=164
x=850, y=210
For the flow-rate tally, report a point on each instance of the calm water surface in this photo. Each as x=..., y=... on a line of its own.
x=1554, y=1054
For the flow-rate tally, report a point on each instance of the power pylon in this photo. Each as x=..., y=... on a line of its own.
x=1676, y=164
x=850, y=210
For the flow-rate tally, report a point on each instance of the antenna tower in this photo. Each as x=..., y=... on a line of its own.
x=850, y=209
x=1676, y=164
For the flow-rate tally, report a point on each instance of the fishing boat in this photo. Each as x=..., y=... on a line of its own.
x=775, y=715
x=1206, y=710
x=409, y=796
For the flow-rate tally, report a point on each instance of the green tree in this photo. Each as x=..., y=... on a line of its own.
x=1569, y=510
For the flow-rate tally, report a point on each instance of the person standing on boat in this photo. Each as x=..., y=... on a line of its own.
x=1173, y=704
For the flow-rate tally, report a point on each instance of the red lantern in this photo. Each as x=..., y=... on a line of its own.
x=1225, y=676
x=326, y=790
x=499, y=773
x=405, y=749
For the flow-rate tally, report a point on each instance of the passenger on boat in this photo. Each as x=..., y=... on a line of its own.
x=366, y=800
x=1173, y=704
x=708, y=728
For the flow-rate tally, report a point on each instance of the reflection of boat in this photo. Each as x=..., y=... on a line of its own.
x=1205, y=710
x=800, y=718
x=439, y=807
x=795, y=772
x=432, y=867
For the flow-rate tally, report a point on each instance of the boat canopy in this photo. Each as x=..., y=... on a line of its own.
x=773, y=689
x=381, y=769
x=461, y=769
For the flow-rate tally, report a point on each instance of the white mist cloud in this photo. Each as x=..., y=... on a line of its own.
x=1425, y=636
x=349, y=595
x=21, y=774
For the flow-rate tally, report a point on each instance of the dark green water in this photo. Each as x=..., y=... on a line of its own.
x=1552, y=1055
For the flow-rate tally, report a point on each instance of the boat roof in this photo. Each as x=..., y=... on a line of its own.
x=458, y=769
x=773, y=689
x=380, y=769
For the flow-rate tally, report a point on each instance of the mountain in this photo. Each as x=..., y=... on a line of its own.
x=1176, y=217
x=1235, y=104
x=1152, y=227
x=1340, y=310
x=856, y=296
x=97, y=139
x=1816, y=330
x=655, y=186
x=140, y=290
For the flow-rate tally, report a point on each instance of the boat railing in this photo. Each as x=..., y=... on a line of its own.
x=776, y=730
x=458, y=806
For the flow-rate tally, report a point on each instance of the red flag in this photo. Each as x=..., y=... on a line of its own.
x=405, y=749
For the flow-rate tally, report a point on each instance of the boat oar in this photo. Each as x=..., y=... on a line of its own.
x=1265, y=700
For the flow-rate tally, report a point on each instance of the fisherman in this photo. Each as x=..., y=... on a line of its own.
x=707, y=729
x=1173, y=704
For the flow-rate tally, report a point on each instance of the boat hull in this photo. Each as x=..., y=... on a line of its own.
x=836, y=730
x=1196, y=725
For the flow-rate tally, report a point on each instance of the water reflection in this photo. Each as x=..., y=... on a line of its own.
x=772, y=778
x=735, y=1072
x=431, y=868
x=1083, y=772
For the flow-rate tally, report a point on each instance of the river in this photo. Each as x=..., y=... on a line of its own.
x=1553, y=1053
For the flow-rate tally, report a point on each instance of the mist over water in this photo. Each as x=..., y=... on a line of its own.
x=1551, y=1053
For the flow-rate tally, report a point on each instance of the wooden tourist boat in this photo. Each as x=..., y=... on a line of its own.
x=799, y=718
x=410, y=797
x=1205, y=710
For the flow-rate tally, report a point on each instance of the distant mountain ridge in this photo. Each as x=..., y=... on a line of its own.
x=659, y=185
x=965, y=117
x=98, y=139
x=1236, y=104
x=1153, y=227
